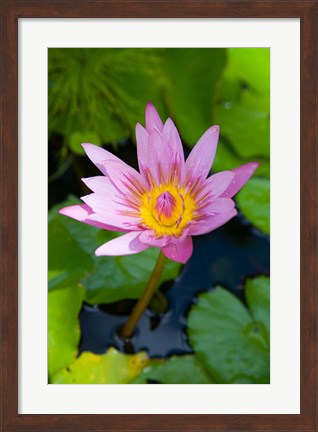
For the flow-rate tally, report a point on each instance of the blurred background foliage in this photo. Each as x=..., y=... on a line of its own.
x=98, y=96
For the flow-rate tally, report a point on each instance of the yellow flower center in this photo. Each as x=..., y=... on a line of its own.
x=167, y=209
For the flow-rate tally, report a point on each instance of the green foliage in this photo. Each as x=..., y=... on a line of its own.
x=112, y=367
x=226, y=158
x=257, y=295
x=71, y=245
x=63, y=326
x=250, y=66
x=78, y=138
x=243, y=111
x=193, y=77
x=246, y=126
x=122, y=277
x=254, y=202
x=106, y=90
x=232, y=344
x=106, y=279
x=82, y=93
x=175, y=370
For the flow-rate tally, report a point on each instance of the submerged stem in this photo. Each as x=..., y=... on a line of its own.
x=128, y=329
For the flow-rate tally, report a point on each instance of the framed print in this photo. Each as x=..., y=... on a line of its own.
x=159, y=268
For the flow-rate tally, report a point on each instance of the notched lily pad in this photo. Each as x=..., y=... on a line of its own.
x=243, y=109
x=112, y=367
x=124, y=277
x=232, y=346
x=63, y=326
x=174, y=370
x=257, y=293
x=254, y=202
x=72, y=260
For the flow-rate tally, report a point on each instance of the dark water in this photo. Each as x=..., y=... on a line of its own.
x=224, y=257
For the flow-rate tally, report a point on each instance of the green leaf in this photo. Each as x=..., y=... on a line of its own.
x=71, y=245
x=257, y=294
x=72, y=260
x=102, y=90
x=175, y=370
x=254, y=202
x=246, y=125
x=193, y=75
x=229, y=344
x=77, y=138
x=124, y=277
x=251, y=66
x=110, y=368
x=243, y=111
x=106, y=90
x=226, y=159
x=63, y=326
x=67, y=261
x=78, y=98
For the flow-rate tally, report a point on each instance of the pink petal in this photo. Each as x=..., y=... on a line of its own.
x=100, y=184
x=142, y=138
x=153, y=121
x=210, y=223
x=174, y=140
x=159, y=157
x=220, y=205
x=84, y=213
x=127, y=244
x=112, y=211
x=104, y=204
x=180, y=250
x=170, y=132
x=125, y=178
x=97, y=155
x=216, y=184
x=149, y=237
x=199, y=161
x=242, y=175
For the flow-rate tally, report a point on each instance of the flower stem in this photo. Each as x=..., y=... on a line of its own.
x=127, y=330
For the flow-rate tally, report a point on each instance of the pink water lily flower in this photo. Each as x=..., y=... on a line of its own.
x=168, y=201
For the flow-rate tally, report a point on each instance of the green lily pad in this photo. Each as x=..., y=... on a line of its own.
x=254, y=202
x=250, y=66
x=71, y=246
x=67, y=261
x=110, y=368
x=231, y=346
x=72, y=260
x=175, y=370
x=246, y=125
x=226, y=159
x=243, y=109
x=106, y=90
x=102, y=90
x=63, y=326
x=124, y=277
x=193, y=76
x=257, y=294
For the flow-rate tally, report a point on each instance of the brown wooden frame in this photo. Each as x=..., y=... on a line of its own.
x=12, y=10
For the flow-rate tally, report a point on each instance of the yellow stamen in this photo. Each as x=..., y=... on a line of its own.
x=167, y=209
